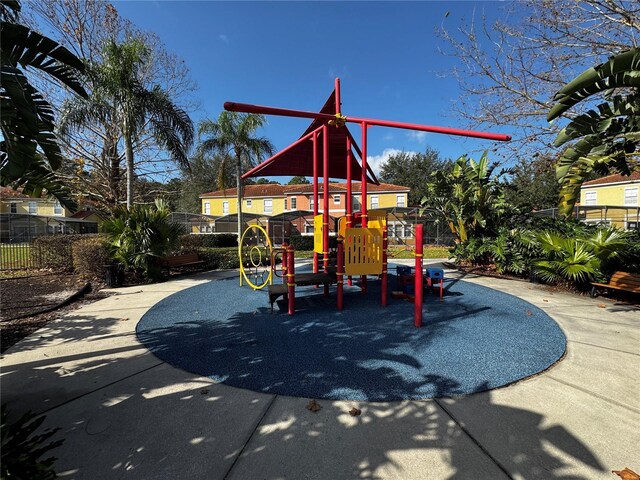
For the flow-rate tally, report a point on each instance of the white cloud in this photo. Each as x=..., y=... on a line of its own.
x=417, y=136
x=224, y=38
x=376, y=161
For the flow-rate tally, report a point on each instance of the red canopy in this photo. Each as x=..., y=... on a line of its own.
x=297, y=158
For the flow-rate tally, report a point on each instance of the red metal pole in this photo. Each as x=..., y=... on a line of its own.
x=315, y=192
x=349, y=199
x=325, y=206
x=245, y=107
x=340, y=272
x=417, y=306
x=284, y=263
x=337, y=90
x=363, y=193
x=291, y=279
x=383, y=278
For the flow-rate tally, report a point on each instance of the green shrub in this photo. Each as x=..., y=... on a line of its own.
x=21, y=449
x=301, y=243
x=54, y=251
x=219, y=258
x=90, y=254
x=142, y=234
x=191, y=243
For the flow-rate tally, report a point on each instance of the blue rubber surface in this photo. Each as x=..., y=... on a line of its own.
x=475, y=339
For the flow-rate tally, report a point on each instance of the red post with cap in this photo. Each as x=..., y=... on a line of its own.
x=291, y=280
x=340, y=272
x=417, y=307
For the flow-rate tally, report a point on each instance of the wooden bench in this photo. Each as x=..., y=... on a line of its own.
x=185, y=260
x=624, y=281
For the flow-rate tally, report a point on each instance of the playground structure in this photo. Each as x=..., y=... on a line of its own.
x=328, y=149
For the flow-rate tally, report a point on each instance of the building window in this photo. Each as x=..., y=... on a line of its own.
x=225, y=208
x=400, y=200
x=268, y=205
x=294, y=203
x=310, y=203
x=285, y=203
x=336, y=199
x=408, y=231
x=374, y=201
x=14, y=207
x=57, y=208
x=590, y=198
x=33, y=208
x=249, y=204
x=631, y=196
x=308, y=229
x=356, y=203
x=633, y=225
x=207, y=208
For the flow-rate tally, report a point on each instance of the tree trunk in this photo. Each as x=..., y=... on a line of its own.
x=128, y=150
x=239, y=195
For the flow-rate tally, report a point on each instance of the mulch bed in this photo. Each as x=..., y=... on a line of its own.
x=24, y=297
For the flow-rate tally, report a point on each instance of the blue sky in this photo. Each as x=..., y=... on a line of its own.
x=287, y=54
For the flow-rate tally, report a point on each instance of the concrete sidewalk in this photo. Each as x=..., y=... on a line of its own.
x=125, y=414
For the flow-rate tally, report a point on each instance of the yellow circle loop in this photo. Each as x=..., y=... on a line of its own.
x=254, y=257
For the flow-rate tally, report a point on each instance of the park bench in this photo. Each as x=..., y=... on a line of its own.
x=184, y=260
x=624, y=281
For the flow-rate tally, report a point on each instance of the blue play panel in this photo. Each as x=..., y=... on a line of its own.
x=475, y=339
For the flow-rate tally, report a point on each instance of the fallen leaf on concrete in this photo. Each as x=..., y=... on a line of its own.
x=124, y=319
x=602, y=305
x=313, y=406
x=354, y=412
x=626, y=474
x=204, y=391
x=545, y=300
x=529, y=312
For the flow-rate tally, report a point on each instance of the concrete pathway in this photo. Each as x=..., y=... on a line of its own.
x=125, y=414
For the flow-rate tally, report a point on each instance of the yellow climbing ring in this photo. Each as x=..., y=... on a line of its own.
x=255, y=258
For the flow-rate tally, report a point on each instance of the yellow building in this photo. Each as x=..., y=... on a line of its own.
x=269, y=200
x=611, y=200
x=23, y=217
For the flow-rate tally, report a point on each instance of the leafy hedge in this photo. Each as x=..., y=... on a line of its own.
x=90, y=254
x=302, y=243
x=54, y=251
x=219, y=258
x=191, y=243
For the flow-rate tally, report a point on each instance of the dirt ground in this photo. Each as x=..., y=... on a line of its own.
x=26, y=296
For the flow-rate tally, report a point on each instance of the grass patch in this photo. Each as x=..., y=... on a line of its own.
x=429, y=252
x=15, y=256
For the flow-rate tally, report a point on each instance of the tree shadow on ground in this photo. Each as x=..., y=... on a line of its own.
x=124, y=414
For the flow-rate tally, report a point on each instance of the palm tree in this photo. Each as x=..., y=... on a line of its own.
x=120, y=98
x=605, y=138
x=233, y=135
x=29, y=151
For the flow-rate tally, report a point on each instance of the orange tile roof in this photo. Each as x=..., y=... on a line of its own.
x=613, y=179
x=273, y=190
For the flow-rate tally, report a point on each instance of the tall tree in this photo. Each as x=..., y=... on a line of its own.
x=533, y=184
x=233, y=135
x=120, y=95
x=29, y=151
x=468, y=198
x=298, y=180
x=606, y=138
x=95, y=160
x=413, y=170
x=509, y=69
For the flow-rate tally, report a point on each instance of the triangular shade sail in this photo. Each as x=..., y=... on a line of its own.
x=297, y=158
